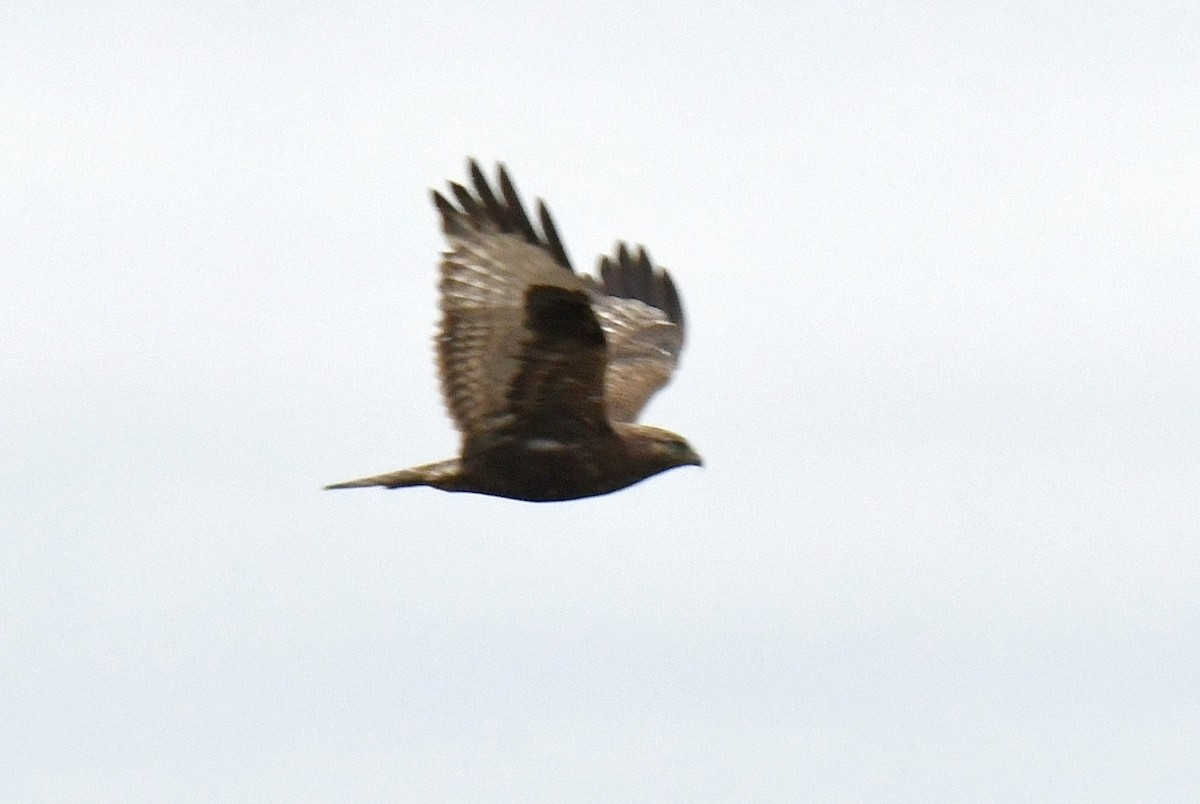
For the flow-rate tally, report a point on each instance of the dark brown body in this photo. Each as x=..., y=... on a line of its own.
x=543, y=470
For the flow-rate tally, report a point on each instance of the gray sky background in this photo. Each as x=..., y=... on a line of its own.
x=941, y=268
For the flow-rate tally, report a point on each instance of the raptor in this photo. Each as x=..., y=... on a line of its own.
x=543, y=370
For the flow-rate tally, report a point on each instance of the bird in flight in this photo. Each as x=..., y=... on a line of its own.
x=544, y=370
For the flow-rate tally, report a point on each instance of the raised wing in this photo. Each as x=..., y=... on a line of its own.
x=640, y=311
x=504, y=284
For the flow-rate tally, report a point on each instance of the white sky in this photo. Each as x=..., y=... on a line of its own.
x=940, y=265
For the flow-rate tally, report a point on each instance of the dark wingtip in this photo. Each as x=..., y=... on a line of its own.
x=518, y=220
x=504, y=212
x=448, y=212
x=553, y=241
x=633, y=275
x=666, y=292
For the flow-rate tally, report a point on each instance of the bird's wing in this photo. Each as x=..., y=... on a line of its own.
x=558, y=390
x=640, y=311
x=519, y=344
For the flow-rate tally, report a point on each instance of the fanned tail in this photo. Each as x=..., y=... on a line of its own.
x=441, y=475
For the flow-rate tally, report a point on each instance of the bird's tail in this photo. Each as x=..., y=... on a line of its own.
x=439, y=475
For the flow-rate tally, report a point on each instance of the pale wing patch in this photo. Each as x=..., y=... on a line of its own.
x=643, y=349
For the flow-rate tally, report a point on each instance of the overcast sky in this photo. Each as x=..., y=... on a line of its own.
x=942, y=271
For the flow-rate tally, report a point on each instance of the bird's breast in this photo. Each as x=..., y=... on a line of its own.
x=541, y=468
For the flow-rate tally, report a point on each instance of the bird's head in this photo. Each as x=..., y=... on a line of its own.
x=656, y=449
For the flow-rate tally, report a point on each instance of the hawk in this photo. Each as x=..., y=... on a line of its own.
x=544, y=370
